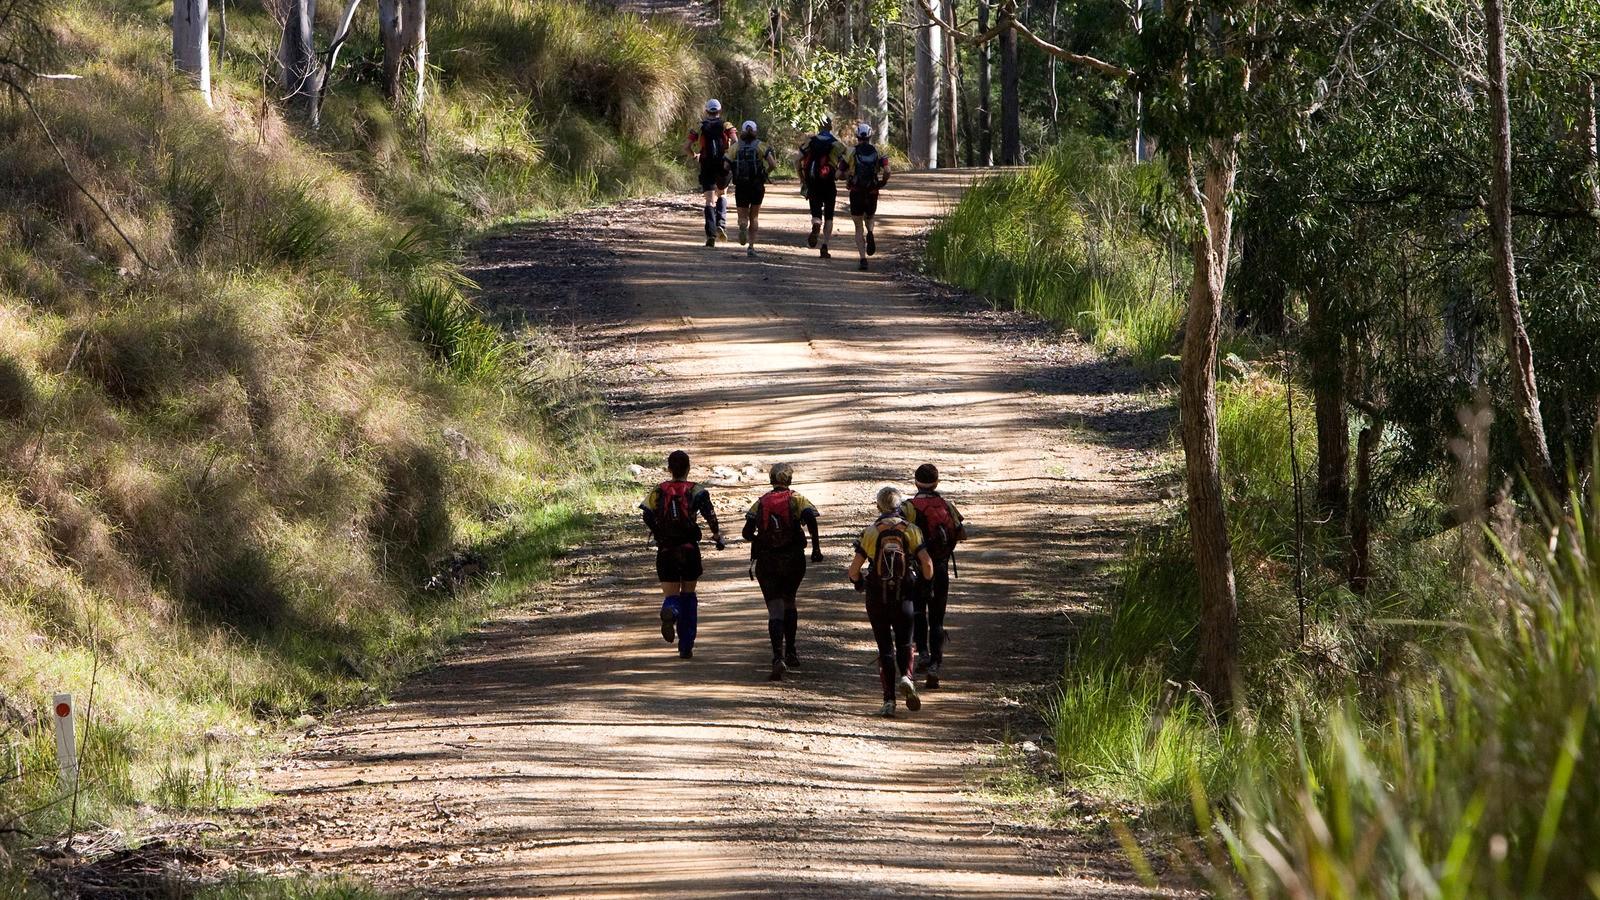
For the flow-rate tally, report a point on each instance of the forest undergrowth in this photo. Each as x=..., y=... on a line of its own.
x=1419, y=734
x=284, y=463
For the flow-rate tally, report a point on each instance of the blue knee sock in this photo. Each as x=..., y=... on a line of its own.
x=722, y=212
x=711, y=220
x=671, y=603
x=688, y=620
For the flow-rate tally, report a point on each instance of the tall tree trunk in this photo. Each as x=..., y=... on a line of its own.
x=880, y=107
x=1197, y=408
x=1010, y=100
x=1360, y=567
x=985, y=132
x=394, y=45
x=1055, y=93
x=1519, y=350
x=191, y=43
x=414, y=29
x=1589, y=146
x=299, y=70
x=924, y=150
x=952, y=96
x=1325, y=360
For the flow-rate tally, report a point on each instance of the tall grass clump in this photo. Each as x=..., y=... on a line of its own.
x=1063, y=239
x=232, y=483
x=1143, y=642
x=1475, y=781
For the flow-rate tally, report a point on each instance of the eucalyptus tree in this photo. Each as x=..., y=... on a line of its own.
x=191, y=43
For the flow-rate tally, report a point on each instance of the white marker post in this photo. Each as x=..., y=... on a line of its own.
x=66, y=742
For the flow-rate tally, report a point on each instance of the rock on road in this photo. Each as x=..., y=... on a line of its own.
x=566, y=751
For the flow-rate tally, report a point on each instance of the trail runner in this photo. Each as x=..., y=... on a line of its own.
x=820, y=159
x=866, y=171
x=891, y=551
x=670, y=511
x=708, y=144
x=942, y=529
x=776, y=526
x=752, y=165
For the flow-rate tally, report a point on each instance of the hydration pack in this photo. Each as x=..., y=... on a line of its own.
x=938, y=526
x=675, y=515
x=776, y=527
x=819, y=157
x=713, y=140
x=748, y=167
x=891, y=564
x=864, y=172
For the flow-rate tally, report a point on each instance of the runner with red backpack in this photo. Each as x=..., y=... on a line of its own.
x=670, y=511
x=820, y=160
x=891, y=551
x=942, y=529
x=708, y=144
x=866, y=171
x=773, y=526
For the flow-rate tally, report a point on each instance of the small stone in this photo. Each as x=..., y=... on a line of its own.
x=636, y=470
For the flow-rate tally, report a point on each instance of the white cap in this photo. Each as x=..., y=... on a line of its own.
x=749, y=125
x=713, y=106
x=863, y=130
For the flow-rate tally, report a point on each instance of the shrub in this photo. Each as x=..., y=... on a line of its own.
x=1062, y=240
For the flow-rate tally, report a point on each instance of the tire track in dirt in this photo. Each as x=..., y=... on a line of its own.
x=565, y=750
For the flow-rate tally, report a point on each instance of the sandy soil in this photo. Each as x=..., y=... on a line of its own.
x=566, y=750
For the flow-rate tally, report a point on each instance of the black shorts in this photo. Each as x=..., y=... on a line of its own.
x=748, y=195
x=780, y=574
x=863, y=203
x=823, y=194
x=714, y=178
x=679, y=563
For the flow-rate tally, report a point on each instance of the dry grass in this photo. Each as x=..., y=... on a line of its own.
x=224, y=484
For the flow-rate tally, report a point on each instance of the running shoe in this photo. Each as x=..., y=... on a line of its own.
x=933, y=676
x=816, y=232
x=825, y=253
x=777, y=670
x=922, y=662
x=863, y=265
x=722, y=233
x=887, y=710
x=792, y=660
x=872, y=245
x=744, y=234
x=669, y=621
x=711, y=241
x=686, y=654
x=908, y=693
x=750, y=251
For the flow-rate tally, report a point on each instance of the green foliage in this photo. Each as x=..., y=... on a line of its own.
x=447, y=323
x=800, y=99
x=1472, y=785
x=1062, y=239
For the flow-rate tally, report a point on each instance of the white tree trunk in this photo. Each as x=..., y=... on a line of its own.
x=191, y=42
x=880, y=105
x=414, y=28
x=924, y=149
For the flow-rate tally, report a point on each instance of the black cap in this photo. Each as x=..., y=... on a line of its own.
x=927, y=475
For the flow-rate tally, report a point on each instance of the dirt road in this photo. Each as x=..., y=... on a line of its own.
x=567, y=751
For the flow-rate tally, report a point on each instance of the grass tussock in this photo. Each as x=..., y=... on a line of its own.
x=1062, y=239
x=227, y=482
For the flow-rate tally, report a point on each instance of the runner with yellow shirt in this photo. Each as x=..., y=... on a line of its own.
x=891, y=554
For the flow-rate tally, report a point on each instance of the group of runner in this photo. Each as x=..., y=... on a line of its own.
x=739, y=157
x=902, y=562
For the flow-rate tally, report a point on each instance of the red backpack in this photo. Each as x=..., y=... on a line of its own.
x=776, y=525
x=675, y=515
x=938, y=526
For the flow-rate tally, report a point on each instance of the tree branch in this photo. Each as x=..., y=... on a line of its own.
x=1008, y=20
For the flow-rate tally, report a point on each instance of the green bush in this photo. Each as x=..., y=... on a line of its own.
x=1062, y=240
